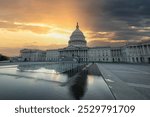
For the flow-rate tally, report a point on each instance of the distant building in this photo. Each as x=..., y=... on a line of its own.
x=137, y=52
x=78, y=51
x=33, y=55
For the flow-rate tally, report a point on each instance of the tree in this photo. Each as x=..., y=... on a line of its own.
x=3, y=58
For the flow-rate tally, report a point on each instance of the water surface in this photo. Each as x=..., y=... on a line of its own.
x=65, y=81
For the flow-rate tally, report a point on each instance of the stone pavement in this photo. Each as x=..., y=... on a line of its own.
x=127, y=81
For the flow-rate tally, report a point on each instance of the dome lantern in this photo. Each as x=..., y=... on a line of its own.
x=77, y=26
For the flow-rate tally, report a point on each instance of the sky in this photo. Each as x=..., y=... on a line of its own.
x=48, y=24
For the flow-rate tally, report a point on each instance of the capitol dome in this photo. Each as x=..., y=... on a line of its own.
x=77, y=38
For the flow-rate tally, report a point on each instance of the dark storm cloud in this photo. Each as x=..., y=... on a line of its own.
x=119, y=16
x=134, y=12
x=114, y=16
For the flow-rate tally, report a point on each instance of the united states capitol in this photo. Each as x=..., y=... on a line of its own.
x=78, y=51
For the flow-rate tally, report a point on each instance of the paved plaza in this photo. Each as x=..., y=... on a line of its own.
x=127, y=81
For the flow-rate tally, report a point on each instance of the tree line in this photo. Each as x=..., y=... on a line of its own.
x=3, y=57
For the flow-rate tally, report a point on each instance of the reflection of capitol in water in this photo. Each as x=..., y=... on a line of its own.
x=53, y=81
x=78, y=51
x=70, y=75
x=48, y=68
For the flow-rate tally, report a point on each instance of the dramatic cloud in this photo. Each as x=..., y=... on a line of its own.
x=36, y=28
x=128, y=19
x=38, y=11
x=103, y=21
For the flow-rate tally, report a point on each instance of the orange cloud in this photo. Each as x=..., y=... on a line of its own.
x=21, y=26
x=45, y=24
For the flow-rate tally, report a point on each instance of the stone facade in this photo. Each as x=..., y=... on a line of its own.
x=99, y=54
x=78, y=53
x=52, y=55
x=137, y=52
x=33, y=55
x=117, y=54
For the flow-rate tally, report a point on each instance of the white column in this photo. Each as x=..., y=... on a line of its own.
x=137, y=51
x=138, y=54
x=143, y=49
x=148, y=51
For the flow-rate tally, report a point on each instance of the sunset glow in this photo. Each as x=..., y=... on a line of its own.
x=48, y=24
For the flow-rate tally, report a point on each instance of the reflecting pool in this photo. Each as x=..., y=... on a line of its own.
x=51, y=81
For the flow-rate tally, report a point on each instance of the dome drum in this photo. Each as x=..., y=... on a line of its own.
x=77, y=44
